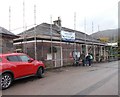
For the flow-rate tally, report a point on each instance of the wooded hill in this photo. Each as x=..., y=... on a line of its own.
x=110, y=35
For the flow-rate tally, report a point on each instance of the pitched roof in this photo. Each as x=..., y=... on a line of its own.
x=5, y=32
x=44, y=29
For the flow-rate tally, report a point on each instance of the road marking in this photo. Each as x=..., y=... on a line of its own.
x=96, y=85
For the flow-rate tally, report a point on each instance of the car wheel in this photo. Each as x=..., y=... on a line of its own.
x=5, y=81
x=40, y=73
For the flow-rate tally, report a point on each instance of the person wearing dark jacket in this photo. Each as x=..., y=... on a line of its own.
x=82, y=57
x=89, y=59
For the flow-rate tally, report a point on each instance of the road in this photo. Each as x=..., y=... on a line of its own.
x=100, y=79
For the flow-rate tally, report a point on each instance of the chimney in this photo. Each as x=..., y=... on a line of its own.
x=57, y=22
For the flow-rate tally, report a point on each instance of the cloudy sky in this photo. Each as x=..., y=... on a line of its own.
x=103, y=14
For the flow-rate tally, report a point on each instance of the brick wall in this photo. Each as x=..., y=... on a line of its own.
x=43, y=48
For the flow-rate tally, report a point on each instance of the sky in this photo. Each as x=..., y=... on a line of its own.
x=88, y=16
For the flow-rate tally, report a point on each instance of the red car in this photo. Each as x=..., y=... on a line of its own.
x=18, y=65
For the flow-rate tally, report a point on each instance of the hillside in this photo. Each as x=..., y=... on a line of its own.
x=110, y=35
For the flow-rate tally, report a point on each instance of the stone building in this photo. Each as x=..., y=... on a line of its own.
x=6, y=40
x=44, y=42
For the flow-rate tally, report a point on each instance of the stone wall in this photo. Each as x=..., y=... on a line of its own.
x=6, y=45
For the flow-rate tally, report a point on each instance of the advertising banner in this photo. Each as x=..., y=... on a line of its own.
x=67, y=36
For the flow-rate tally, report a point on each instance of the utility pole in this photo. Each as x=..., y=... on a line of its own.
x=35, y=45
x=74, y=31
x=85, y=29
x=92, y=32
x=93, y=47
x=24, y=46
x=9, y=18
x=85, y=36
x=51, y=38
x=75, y=51
x=60, y=25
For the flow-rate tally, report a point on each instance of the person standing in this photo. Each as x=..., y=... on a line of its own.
x=82, y=57
x=89, y=59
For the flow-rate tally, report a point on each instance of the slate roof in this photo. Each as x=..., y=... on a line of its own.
x=44, y=29
x=5, y=32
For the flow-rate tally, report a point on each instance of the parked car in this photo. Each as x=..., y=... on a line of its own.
x=18, y=65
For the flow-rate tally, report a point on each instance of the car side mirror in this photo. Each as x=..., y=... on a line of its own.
x=30, y=60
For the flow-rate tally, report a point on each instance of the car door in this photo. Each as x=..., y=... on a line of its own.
x=19, y=67
x=16, y=65
x=28, y=66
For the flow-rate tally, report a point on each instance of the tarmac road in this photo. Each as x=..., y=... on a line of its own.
x=100, y=79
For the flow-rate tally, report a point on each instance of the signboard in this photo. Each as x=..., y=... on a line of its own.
x=68, y=36
x=49, y=56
